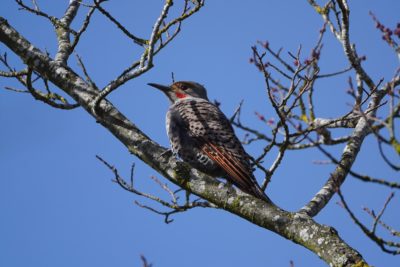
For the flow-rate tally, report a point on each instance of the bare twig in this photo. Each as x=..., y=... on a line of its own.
x=83, y=28
x=13, y=74
x=16, y=90
x=135, y=39
x=145, y=263
x=88, y=79
x=173, y=205
x=146, y=60
x=279, y=112
x=237, y=112
x=49, y=98
x=386, y=246
x=36, y=11
x=366, y=178
x=329, y=75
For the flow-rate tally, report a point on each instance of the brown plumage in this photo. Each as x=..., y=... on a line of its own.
x=201, y=135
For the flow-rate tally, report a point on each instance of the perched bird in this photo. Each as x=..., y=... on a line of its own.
x=201, y=135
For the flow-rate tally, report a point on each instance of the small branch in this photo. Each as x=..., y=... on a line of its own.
x=383, y=224
x=333, y=74
x=83, y=28
x=145, y=263
x=16, y=90
x=282, y=118
x=321, y=141
x=342, y=34
x=394, y=248
x=136, y=40
x=349, y=49
x=48, y=99
x=88, y=79
x=380, y=214
x=36, y=11
x=258, y=134
x=173, y=205
x=13, y=74
x=387, y=34
x=146, y=60
x=386, y=159
x=366, y=178
x=237, y=112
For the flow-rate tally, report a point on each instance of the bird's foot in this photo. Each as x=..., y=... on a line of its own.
x=167, y=153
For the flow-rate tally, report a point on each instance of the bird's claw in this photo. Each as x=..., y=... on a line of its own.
x=167, y=152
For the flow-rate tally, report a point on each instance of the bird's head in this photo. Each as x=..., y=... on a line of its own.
x=182, y=90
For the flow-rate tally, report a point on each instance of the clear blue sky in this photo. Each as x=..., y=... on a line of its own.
x=57, y=202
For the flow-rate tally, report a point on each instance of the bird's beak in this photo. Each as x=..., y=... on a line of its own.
x=163, y=88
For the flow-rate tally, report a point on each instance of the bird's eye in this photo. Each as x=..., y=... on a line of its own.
x=183, y=87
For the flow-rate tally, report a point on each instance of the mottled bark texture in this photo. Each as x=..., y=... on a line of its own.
x=299, y=228
x=349, y=155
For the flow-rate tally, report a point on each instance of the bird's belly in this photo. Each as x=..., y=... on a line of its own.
x=190, y=153
x=198, y=160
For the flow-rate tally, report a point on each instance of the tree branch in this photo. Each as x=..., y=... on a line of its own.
x=348, y=158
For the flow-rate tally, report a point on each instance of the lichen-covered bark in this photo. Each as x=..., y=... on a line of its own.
x=349, y=155
x=299, y=228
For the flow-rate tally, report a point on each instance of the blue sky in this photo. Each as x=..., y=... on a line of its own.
x=57, y=202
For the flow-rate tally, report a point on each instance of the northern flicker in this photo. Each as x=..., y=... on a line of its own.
x=201, y=135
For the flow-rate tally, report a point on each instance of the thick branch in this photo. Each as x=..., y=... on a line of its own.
x=64, y=44
x=348, y=157
x=349, y=48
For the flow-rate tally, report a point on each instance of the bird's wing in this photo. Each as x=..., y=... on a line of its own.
x=238, y=172
x=209, y=127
